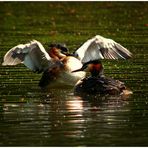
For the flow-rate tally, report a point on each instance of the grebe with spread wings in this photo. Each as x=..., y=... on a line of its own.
x=57, y=65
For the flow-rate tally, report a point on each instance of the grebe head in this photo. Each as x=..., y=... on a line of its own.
x=61, y=47
x=58, y=51
x=94, y=67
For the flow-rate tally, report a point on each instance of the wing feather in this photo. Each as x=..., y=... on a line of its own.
x=99, y=47
x=32, y=55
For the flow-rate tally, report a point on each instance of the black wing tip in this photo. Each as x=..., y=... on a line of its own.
x=127, y=56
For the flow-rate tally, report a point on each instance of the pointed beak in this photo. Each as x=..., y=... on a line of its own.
x=78, y=70
x=81, y=69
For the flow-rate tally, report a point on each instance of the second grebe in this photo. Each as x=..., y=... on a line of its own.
x=57, y=65
x=98, y=83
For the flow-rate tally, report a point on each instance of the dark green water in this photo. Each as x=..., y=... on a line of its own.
x=30, y=117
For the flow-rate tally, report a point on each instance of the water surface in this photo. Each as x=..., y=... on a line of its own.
x=32, y=117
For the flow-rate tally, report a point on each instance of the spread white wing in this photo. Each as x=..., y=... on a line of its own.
x=33, y=55
x=99, y=47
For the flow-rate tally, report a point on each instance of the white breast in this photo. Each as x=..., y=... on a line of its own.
x=67, y=76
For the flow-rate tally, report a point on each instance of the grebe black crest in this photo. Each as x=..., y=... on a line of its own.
x=57, y=64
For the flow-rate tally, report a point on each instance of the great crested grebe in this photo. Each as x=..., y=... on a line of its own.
x=98, y=83
x=57, y=64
